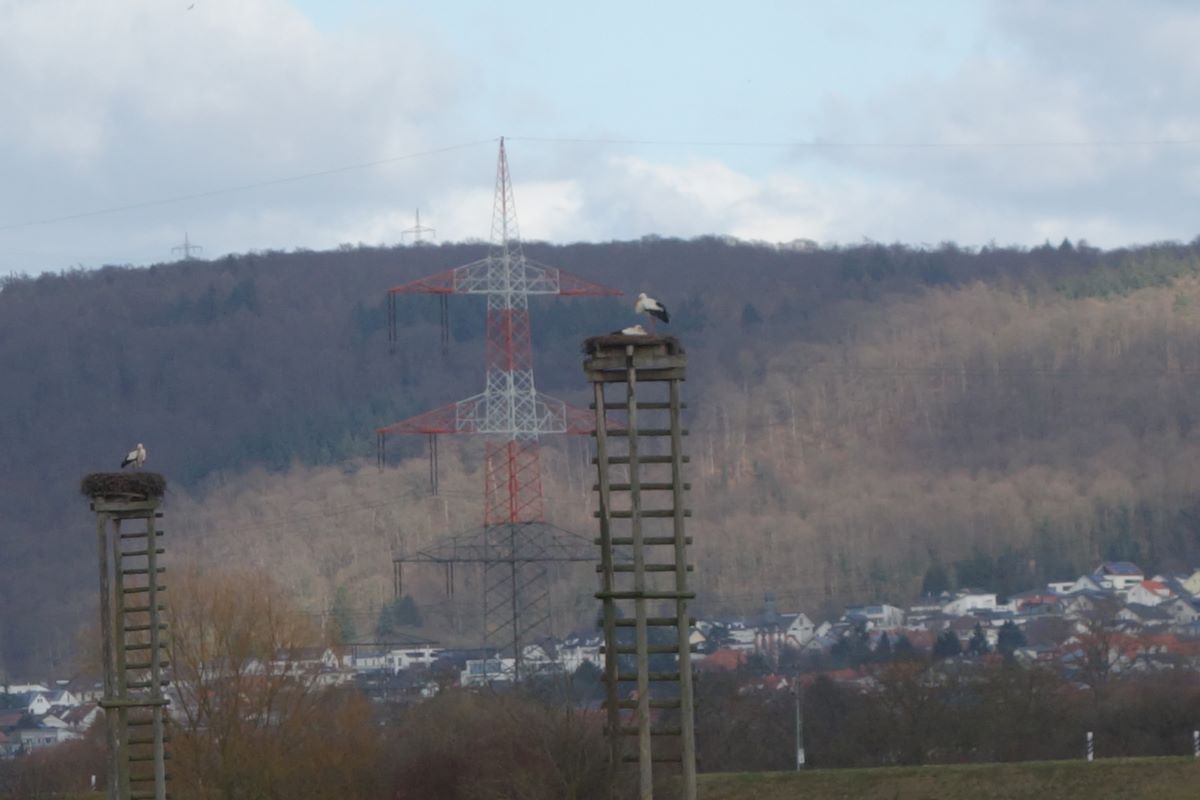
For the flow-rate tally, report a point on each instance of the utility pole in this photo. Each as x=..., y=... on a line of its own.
x=187, y=248
x=418, y=229
x=799, y=726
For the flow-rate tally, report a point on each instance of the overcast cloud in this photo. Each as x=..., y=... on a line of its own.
x=108, y=104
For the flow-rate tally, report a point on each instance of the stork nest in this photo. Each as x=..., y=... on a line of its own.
x=595, y=344
x=123, y=484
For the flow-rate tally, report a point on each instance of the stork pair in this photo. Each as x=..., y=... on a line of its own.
x=653, y=310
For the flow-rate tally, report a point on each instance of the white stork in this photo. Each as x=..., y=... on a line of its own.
x=651, y=307
x=632, y=330
x=135, y=458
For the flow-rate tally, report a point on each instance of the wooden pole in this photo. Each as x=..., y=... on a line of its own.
x=156, y=692
x=682, y=621
x=608, y=604
x=122, y=678
x=106, y=625
x=645, y=751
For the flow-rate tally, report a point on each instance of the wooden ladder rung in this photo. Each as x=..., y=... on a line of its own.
x=645, y=459
x=166, y=757
x=643, y=406
x=645, y=595
x=142, y=571
x=146, y=739
x=140, y=609
x=653, y=649
x=670, y=702
x=147, y=684
x=137, y=723
x=632, y=730
x=631, y=622
x=645, y=567
x=142, y=535
x=646, y=540
x=143, y=646
x=147, y=665
x=645, y=486
x=135, y=553
x=642, y=432
x=631, y=677
x=649, y=513
x=162, y=626
x=136, y=589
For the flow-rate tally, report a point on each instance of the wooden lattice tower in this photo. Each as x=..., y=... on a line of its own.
x=643, y=553
x=135, y=650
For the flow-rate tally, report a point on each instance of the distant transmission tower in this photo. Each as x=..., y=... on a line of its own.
x=187, y=248
x=416, y=230
x=515, y=543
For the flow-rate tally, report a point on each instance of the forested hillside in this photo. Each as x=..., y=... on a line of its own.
x=864, y=419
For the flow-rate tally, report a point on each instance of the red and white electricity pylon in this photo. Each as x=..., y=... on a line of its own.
x=512, y=414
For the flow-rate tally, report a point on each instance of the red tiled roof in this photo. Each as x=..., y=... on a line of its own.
x=725, y=658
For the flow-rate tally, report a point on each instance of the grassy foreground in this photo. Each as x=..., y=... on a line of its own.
x=1105, y=779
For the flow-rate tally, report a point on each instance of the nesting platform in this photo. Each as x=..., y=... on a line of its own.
x=655, y=358
x=123, y=485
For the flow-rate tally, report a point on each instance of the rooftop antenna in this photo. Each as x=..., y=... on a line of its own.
x=187, y=248
x=418, y=229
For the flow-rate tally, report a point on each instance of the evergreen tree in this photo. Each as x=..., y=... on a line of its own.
x=883, y=649
x=407, y=613
x=947, y=645
x=385, y=626
x=903, y=650
x=936, y=580
x=398, y=612
x=978, y=644
x=1010, y=638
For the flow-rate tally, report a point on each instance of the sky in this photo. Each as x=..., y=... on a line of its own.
x=279, y=124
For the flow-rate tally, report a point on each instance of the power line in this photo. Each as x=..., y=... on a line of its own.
x=241, y=188
x=823, y=144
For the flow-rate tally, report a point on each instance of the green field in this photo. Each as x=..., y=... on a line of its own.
x=1105, y=779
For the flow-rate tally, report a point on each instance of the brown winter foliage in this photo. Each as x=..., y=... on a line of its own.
x=462, y=746
x=252, y=718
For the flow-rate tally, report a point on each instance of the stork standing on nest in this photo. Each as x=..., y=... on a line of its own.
x=135, y=458
x=652, y=308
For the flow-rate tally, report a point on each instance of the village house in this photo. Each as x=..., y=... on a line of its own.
x=408, y=657
x=882, y=616
x=481, y=671
x=1182, y=611
x=966, y=602
x=1118, y=575
x=1143, y=615
x=1147, y=593
x=1084, y=583
x=579, y=648
x=35, y=738
x=1192, y=583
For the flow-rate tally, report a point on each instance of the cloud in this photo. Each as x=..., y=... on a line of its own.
x=123, y=102
x=118, y=103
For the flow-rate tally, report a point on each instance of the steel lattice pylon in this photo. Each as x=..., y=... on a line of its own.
x=512, y=413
